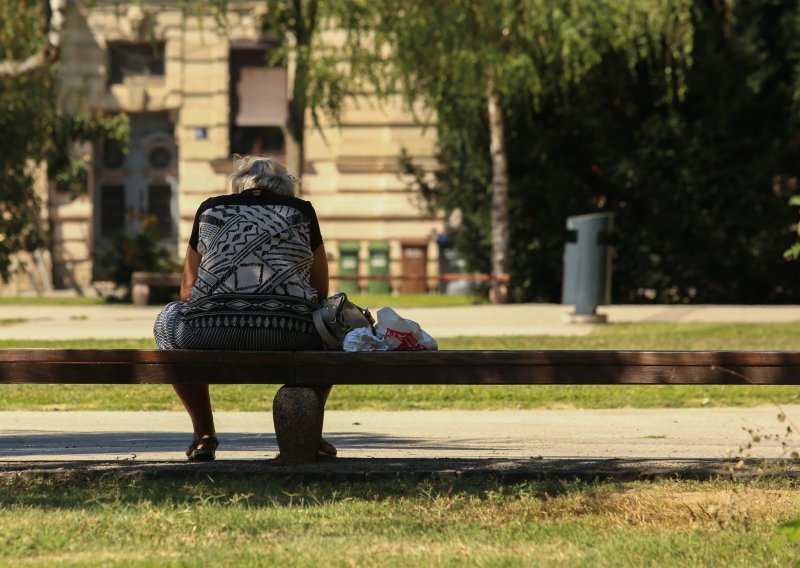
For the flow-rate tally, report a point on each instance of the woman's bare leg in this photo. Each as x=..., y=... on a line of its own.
x=197, y=401
x=325, y=447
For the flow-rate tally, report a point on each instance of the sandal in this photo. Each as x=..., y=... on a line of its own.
x=203, y=449
x=326, y=451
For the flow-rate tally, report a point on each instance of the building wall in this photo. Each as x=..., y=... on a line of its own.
x=351, y=174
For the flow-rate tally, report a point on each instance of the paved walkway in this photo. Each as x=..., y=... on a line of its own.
x=672, y=434
x=112, y=322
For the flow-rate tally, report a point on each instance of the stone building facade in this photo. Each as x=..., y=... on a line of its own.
x=195, y=95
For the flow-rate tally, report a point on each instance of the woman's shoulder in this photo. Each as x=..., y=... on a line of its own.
x=265, y=198
x=214, y=200
x=292, y=201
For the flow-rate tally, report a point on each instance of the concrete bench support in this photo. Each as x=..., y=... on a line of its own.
x=142, y=281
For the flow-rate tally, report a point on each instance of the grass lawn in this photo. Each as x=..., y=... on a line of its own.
x=375, y=301
x=372, y=301
x=615, y=336
x=397, y=523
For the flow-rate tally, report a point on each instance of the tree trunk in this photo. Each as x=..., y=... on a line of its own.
x=305, y=24
x=499, y=213
x=53, y=31
x=296, y=121
x=295, y=134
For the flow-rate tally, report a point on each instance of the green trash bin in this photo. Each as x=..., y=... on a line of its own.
x=348, y=266
x=379, y=266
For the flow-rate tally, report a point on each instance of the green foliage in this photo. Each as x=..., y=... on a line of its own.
x=35, y=130
x=708, y=175
x=464, y=58
x=443, y=51
x=18, y=25
x=25, y=112
x=791, y=530
x=325, y=75
x=68, y=169
x=793, y=253
x=127, y=252
x=697, y=174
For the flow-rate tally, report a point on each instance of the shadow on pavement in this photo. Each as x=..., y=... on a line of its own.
x=337, y=470
x=23, y=443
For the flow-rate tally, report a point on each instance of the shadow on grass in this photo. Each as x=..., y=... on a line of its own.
x=380, y=471
x=259, y=483
x=50, y=469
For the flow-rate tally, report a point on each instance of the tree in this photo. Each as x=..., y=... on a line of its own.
x=34, y=129
x=25, y=52
x=485, y=52
x=793, y=252
x=294, y=22
x=698, y=183
x=323, y=74
x=701, y=191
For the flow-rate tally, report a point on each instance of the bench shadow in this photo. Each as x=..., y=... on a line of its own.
x=18, y=443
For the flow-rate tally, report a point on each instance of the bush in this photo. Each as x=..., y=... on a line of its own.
x=127, y=252
x=699, y=184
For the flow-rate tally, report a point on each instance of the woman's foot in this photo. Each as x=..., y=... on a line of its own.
x=326, y=450
x=203, y=449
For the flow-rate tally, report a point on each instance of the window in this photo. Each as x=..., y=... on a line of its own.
x=159, y=157
x=159, y=201
x=127, y=60
x=258, y=102
x=112, y=209
x=257, y=140
x=112, y=157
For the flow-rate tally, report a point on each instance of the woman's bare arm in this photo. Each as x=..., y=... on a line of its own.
x=319, y=272
x=190, y=267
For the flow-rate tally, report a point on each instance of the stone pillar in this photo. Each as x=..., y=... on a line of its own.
x=297, y=414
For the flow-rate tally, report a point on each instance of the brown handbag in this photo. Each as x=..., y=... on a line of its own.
x=337, y=316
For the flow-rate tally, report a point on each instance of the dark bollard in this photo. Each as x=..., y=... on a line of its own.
x=587, y=267
x=297, y=415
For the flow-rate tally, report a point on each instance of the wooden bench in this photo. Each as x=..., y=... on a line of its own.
x=131, y=366
x=142, y=281
x=297, y=413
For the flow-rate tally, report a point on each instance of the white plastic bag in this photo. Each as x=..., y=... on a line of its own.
x=361, y=339
x=403, y=334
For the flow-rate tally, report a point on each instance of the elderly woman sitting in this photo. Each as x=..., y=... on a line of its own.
x=255, y=270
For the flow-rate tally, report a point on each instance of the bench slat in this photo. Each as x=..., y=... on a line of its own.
x=549, y=374
x=130, y=366
x=144, y=373
x=138, y=356
x=551, y=357
x=424, y=358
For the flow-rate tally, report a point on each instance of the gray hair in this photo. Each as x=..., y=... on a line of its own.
x=261, y=172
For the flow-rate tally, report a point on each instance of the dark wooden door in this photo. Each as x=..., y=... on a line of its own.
x=415, y=267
